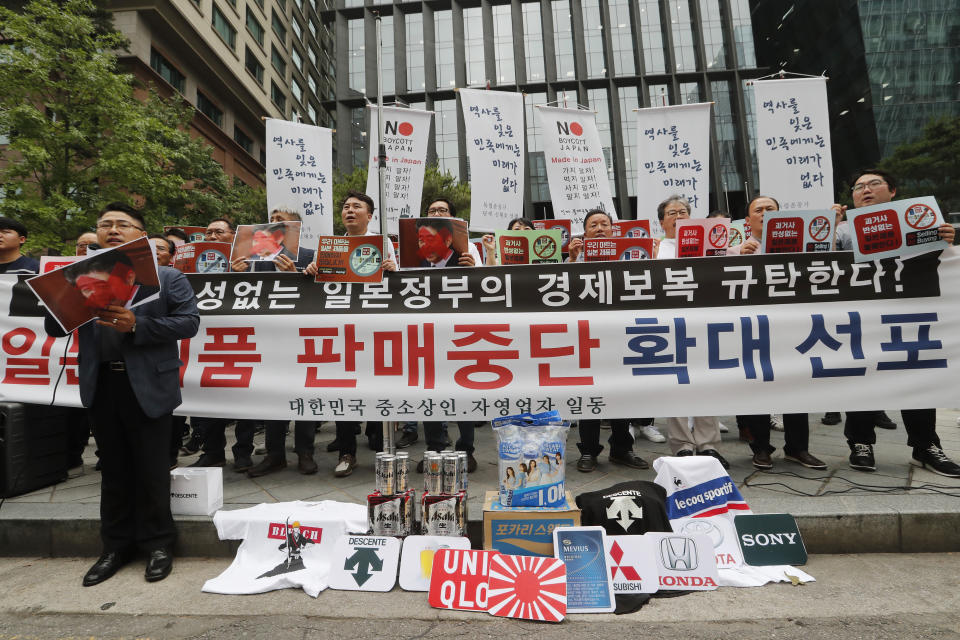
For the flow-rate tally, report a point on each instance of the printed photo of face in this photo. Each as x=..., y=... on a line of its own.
x=434, y=244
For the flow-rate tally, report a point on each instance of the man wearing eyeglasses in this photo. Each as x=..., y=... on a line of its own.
x=873, y=186
x=130, y=380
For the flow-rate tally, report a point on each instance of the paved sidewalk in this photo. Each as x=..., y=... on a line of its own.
x=898, y=508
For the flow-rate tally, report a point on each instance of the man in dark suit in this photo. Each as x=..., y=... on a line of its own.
x=129, y=379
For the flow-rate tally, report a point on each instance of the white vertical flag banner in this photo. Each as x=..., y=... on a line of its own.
x=793, y=142
x=406, y=133
x=300, y=175
x=494, y=130
x=576, y=168
x=673, y=158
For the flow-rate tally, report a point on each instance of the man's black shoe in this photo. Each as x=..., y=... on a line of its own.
x=269, y=464
x=159, y=565
x=242, y=464
x=206, y=460
x=762, y=461
x=629, y=459
x=861, y=457
x=587, y=463
x=684, y=452
x=192, y=446
x=830, y=418
x=407, y=439
x=932, y=457
x=333, y=446
x=713, y=453
x=471, y=463
x=105, y=566
x=882, y=420
x=806, y=459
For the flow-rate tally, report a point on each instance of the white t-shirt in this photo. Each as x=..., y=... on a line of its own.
x=275, y=557
x=668, y=249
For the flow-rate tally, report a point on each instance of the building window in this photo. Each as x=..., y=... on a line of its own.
x=167, y=71
x=711, y=21
x=723, y=122
x=743, y=33
x=563, y=36
x=415, y=70
x=222, y=26
x=652, y=34
x=533, y=42
x=689, y=93
x=243, y=139
x=276, y=94
x=628, y=122
x=355, y=46
x=253, y=65
x=312, y=27
x=296, y=58
x=207, y=108
x=313, y=56
x=297, y=29
x=358, y=136
x=312, y=114
x=297, y=91
x=278, y=62
x=442, y=28
x=621, y=35
x=600, y=103
x=448, y=151
x=503, y=44
x=277, y=24
x=313, y=85
x=593, y=39
x=473, y=45
x=684, y=40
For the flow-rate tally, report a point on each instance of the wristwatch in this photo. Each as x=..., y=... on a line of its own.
x=133, y=329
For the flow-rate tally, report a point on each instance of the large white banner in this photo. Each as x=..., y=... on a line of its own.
x=494, y=130
x=673, y=158
x=729, y=335
x=300, y=175
x=793, y=142
x=576, y=168
x=406, y=133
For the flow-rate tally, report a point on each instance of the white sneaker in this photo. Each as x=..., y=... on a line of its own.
x=776, y=422
x=724, y=428
x=651, y=433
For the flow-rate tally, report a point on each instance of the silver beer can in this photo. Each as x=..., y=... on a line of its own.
x=386, y=471
x=450, y=468
x=432, y=472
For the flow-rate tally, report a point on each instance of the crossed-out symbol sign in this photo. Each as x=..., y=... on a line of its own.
x=544, y=246
x=920, y=216
x=819, y=228
x=718, y=236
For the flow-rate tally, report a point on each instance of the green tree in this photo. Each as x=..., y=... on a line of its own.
x=79, y=137
x=436, y=184
x=930, y=165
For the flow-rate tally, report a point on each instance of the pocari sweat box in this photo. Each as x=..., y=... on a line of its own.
x=531, y=452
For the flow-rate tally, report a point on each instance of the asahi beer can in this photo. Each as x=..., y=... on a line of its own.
x=432, y=472
x=403, y=468
x=450, y=463
x=441, y=516
x=385, y=515
x=462, y=481
x=386, y=471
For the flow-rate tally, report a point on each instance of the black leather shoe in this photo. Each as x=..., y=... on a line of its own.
x=407, y=439
x=105, y=566
x=206, y=460
x=629, y=459
x=333, y=446
x=830, y=418
x=159, y=565
x=587, y=463
x=713, y=453
x=882, y=420
x=269, y=464
x=762, y=460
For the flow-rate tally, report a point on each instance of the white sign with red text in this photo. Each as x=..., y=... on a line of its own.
x=899, y=228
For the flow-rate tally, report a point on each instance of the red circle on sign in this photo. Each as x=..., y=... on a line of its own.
x=920, y=216
x=819, y=228
x=405, y=128
x=718, y=236
x=576, y=129
x=544, y=246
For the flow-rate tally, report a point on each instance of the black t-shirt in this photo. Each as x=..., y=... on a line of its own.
x=628, y=508
x=23, y=264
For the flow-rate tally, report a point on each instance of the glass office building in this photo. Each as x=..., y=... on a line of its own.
x=612, y=56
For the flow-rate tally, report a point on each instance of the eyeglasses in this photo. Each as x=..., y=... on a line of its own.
x=122, y=225
x=672, y=213
x=873, y=184
x=437, y=211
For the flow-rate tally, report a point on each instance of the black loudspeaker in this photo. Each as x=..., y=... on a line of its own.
x=33, y=447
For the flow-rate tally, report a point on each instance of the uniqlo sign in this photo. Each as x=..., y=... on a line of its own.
x=459, y=579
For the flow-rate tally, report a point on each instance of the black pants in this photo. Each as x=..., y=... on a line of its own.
x=347, y=436
x=276, y=437
x=620, y=440
x=78, y=434
x=796, y=432
x=433, y=432
x=178, y=424
x=920, y=424
x=214, y=432
x=135, y=469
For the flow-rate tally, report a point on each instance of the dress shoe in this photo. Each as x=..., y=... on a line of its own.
x=713, y=453
x=105, y=566
x=471, y=463
x=684, y=452
x=206, y=460
x=830, y=418
x=242, y=463
x=159, y=565
x=762, y=461
x=269, y=464
x=807, y=460
x=407, y=439
x=629, y=459
x=306, y=463
x=882, y=420
x=587, y=463
x=333, y=446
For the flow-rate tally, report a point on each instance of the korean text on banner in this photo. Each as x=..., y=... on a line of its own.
x=673, y=158
x=300, y=175
x=576, y=165
x=793, y=142
x=406, y=133
x=494, y=132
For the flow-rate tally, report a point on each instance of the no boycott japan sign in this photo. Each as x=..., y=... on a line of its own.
x=735, y=334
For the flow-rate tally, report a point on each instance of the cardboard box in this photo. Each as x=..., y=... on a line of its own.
x=524, y=531
x=196, y=491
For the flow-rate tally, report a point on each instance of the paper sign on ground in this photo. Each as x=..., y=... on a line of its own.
x=770, y=539
x=685, y=562
x=418, y=556
x=700, y=238
x=364, y=563
x=589, y=583
x=529, y=247
x=898, y=228
x=202, y=257
x=632, y=565
x=562, y=225
x=797, y=231
x=721, y=534
x=601, y=249
x=459, y=579
x=527, y=587
x=631, y=229
x=349, y=259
